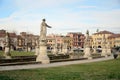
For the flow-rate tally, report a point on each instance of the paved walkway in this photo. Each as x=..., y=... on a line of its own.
x=33, y=66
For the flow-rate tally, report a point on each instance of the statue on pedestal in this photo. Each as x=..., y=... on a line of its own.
x=42, y=56
x=54, y=50
x=87, y=42
x=7, y=46
x=64, y=48
x=37, y=47
x=87, y=52
x=108, y=48
x=104, y=48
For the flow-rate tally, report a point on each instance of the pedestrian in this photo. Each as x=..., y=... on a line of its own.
x=115, y=53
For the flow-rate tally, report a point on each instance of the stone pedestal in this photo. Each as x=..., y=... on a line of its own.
x=108, y=51
x=29, y=49
x=104, y=52
x=59, y=51
x=71, y=51
x=37, y=51
x=55, y=51
x=64, y=51
x=11, y=48
x=7, y=53
x=87, y=53
x=42, y=57
x=94, y=50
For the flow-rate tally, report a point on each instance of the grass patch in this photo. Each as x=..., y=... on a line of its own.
x=105, y=70
x=18, y=53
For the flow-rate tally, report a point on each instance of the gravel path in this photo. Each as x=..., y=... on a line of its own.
x=33, y=66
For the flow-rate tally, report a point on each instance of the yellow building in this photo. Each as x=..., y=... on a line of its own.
x=98, y=37
x=115, y=40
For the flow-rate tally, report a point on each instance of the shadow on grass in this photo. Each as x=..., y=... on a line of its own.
x=5, y=78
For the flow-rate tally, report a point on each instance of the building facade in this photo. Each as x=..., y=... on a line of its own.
x=78, y=39
x=114, y=40
x=13, y=39
x=59, y=40
x=97, y=38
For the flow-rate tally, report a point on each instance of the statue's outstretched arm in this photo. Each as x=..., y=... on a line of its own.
x=48, y=26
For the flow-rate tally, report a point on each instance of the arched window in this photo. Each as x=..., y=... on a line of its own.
x=99, y=46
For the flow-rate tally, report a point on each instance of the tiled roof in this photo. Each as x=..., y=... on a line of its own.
x=114, y=36
x=13, y=35
x=78, y=33
x=103, y=32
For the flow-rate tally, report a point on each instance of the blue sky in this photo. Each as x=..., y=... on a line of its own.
x=63, y=15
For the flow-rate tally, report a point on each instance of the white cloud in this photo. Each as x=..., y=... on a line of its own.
x=66, y=22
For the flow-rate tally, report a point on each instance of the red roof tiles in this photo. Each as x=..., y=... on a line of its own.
x=103, y=32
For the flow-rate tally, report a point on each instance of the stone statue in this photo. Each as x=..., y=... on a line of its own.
x=43, y=31
x=7, y=40
x=104, y=48
x=87, y=35
x=7, y=46
x=87, y=42
x=37, y=47
x=42, y=55
x=87, y=32
x=87, y=52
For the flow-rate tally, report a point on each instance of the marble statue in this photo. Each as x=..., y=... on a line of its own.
x=42, y=56
x=87, y=52
x=104, y=48
x=37, y=47
x=7, y=46
x=43, y=31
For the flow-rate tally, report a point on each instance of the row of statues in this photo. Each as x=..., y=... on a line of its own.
x=41, y=47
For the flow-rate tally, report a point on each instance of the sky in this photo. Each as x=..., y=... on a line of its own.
x=63, y=15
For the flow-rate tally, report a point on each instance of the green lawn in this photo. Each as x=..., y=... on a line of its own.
x=106, y=70
x=17, y=53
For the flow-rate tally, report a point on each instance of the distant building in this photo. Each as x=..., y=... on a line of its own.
x=13, y=39
x=68, y=40
x=25, y=40
x=59, y=40
x=78, y=39
x=97, y=38
x=50, y=41
x=2, y=39
x=114, y=40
